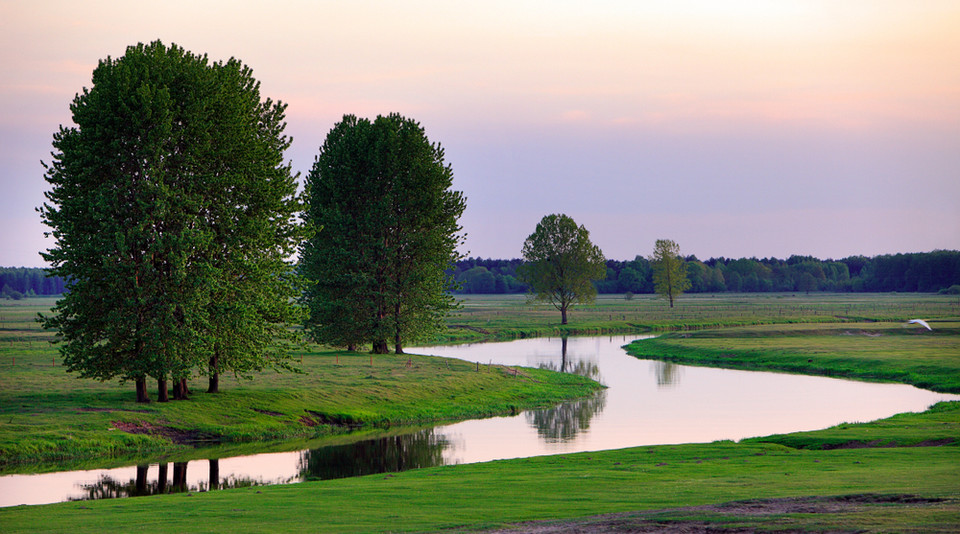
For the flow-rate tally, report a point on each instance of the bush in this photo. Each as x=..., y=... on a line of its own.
x=952, y=290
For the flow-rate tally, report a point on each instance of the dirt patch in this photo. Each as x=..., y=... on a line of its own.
x=878, y=444
x=318, y=418
x=736, y=516
x=180, y=437
x=267, y=412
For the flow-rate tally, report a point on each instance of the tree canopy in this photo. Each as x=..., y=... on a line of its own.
x=173, y=215
x=377, y=271
x=560, y=263
x=669, y=270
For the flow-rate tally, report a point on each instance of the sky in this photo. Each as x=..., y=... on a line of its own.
x=735, y=128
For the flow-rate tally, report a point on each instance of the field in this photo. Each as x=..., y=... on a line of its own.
x=511, y=316
x=895, y=475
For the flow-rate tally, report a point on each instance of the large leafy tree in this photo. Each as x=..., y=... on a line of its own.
x=669, y=270
x=172, y=214
x=382, y=194
x=561, y=263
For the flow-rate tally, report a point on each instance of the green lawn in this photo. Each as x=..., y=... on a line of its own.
x=900, y=474
x=49, y=418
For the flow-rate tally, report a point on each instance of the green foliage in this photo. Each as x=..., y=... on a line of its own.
x=561, y=262
x=669, y=270
x=381, y=192
x=173, y=214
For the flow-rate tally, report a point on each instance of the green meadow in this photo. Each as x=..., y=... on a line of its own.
x=900, y=474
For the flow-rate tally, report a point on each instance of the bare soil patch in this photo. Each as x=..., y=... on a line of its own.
x=180, y=437
x=724, y=518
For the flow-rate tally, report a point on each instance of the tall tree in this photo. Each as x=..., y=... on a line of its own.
x=169, y=155
x=669, y=270
x=382, y=194
x=560, y=264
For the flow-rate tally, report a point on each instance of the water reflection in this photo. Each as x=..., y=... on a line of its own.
x=566, y=421
x=668, y=374
x=108, y=487
x=383, y=455
x=647, y=403
x=582, y=367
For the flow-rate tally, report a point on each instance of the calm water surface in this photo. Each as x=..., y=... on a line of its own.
x=646, y=403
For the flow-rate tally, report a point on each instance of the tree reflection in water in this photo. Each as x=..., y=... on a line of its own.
x=668, y=374
x=564, y=422
x=382, y=455
x=110, y=488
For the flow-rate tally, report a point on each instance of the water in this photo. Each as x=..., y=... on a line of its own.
x=646, y=403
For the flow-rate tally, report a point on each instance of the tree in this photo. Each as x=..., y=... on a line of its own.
x=381, y=192
x=669, y=270
x=560, y=263
x=172, y=214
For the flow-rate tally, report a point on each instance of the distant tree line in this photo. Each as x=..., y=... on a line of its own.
x=19, y=282
x=922, y=271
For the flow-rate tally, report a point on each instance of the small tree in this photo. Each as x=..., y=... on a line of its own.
x=560, y=264
x=669, y=270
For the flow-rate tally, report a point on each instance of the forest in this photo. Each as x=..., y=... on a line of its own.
x=924, y=272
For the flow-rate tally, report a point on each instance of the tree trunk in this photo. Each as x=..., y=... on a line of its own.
x=398, y=346
x=142, y=395
x=141, y=483
x=180, y=476
x=214, y=474
x=178, y=393
x=214, y=379
x=352, y=347
x=380, y=347
x=162, y=479
x=563, y=315
x=671, y=300
x=162, y=395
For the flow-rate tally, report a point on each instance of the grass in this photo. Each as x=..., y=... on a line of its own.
x=869, y=351
x=895, y=475
x=573, y=487
x=48, y=416
x=511, y=316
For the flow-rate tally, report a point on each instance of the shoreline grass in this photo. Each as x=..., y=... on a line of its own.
x=566, y=487
x=908, y=454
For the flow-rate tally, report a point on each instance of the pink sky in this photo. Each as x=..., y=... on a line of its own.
x=754, y=128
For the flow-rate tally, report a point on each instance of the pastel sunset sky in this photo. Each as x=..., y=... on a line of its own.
x=737, y=129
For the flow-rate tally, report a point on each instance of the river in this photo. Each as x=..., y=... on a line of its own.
x=646, y=403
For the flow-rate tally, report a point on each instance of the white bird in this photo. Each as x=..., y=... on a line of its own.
x=920, y=322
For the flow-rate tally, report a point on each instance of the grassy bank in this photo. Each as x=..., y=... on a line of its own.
x=486, y=317
x=48, y=415
x=898, y=474
x=569, y=487
x=887, y=352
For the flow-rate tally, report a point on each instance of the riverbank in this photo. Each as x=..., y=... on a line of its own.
x=871, y=468
x=48, y=416
x=886, y=352
x=651, y=485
